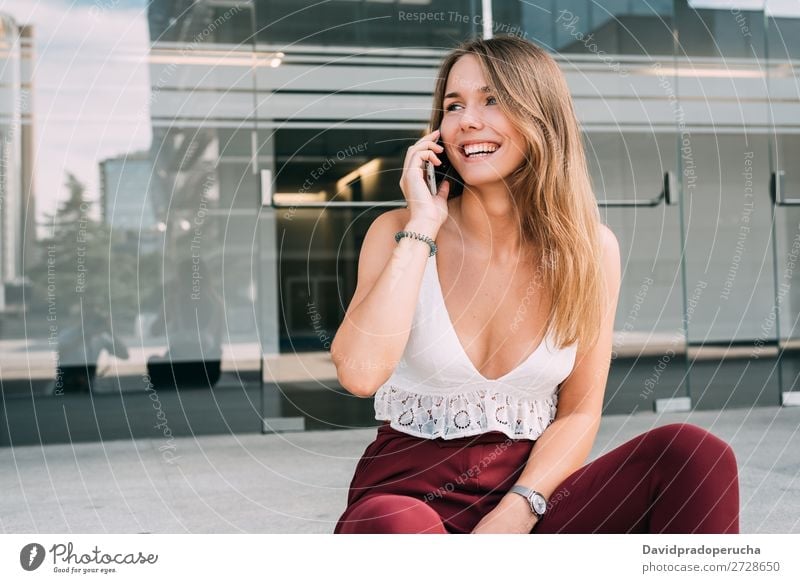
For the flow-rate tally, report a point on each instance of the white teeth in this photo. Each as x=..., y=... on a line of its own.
x=486, y=147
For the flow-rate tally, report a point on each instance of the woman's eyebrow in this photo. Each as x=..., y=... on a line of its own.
x=484, y=89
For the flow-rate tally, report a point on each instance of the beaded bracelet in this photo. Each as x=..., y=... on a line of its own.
x=400, y=234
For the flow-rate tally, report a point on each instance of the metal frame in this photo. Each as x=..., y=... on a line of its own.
x=668, y=195
x=776, y=190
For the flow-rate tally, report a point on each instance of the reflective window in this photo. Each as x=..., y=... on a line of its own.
x=366, y=23
x=133, y=244
x=340, y=165
x=132, y=178
x=199, y=23
x=788, y=153
x=320, y=246
x=732, y=29
x=629, y=166
x=783, y=20
x=624, y=27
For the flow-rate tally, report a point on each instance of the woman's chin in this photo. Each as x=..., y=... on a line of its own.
x=484, y=177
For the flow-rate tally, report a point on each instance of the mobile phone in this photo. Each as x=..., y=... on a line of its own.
x=435, y=174
x=430, y=177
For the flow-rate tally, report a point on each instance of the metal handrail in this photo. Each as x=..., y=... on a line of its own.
x=777, y=193
x=668, y=195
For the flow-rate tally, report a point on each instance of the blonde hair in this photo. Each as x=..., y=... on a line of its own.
x=552, y=188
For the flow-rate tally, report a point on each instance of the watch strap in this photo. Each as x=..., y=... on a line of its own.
x=528, y=493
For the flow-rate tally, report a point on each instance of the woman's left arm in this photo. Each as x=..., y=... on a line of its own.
x=565, y=444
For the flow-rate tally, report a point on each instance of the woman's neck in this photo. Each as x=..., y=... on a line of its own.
x=489, y=226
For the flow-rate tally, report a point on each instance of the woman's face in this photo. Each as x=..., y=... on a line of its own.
x=473, y=121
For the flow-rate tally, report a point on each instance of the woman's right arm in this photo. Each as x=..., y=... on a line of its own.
x=369, y=343
x=371, y=339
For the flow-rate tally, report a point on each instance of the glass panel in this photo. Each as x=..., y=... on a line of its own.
x=311, y=258
x=133, y=278
x=340, y=165
x=783, y=22
x=649, y=358
x=730, y=267
x=318, y=261
x=365, y=22
x=629, y=166
x=207, y=22
x=787, y=237
x=788, y=152
x=725, y=29
x=619, y=27
x=318, y=275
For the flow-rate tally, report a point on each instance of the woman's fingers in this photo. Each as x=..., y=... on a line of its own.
x=427, y=155
x=422, y=146
x=427, y=144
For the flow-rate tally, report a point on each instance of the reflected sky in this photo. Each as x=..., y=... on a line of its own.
x=91, y=88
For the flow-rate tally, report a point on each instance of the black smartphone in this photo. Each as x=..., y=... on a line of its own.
x=435, y=174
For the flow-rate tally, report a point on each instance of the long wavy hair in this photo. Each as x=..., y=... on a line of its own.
x=551, y=188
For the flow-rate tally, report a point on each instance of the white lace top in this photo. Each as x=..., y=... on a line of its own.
x=436, y=391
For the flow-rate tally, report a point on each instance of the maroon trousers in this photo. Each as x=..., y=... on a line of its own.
x=678, y=478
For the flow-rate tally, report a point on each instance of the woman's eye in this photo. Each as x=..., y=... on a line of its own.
x=452, y=105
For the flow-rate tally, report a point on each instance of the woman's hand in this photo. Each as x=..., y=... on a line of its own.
x=423, y=206
x=511, y=516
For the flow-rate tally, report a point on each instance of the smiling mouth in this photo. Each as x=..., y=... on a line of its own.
x=478, y=152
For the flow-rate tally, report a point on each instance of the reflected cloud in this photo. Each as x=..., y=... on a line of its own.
x=86, y=88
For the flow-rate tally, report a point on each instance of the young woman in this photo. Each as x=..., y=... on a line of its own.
x=487, y=351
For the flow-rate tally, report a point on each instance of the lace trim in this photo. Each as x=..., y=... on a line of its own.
x=464, y=414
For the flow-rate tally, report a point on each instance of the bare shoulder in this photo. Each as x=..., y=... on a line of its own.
x=611, y=257
x=608, y=236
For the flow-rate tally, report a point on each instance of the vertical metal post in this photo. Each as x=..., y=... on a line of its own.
x=486, y=18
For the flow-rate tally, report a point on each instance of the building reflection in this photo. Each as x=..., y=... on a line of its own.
x=186, y=189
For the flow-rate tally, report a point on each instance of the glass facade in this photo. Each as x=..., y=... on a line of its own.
x=186, y=185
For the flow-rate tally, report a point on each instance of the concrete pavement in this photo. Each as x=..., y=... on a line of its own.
x=297, y=482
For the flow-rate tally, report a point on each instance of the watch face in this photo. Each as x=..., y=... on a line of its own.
x=539, y=503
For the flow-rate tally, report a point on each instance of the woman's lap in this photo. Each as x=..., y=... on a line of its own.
x=461, y=480
x=674, y=478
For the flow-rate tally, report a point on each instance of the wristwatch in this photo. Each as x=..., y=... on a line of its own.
x=535, y=499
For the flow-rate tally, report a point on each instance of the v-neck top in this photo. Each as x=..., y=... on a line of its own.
x=436, y=391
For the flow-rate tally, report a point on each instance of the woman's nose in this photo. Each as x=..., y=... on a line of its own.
x=468, y=120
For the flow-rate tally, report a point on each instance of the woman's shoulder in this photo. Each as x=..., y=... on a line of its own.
x=611, y=250
x=607, y=235
x=398, y=217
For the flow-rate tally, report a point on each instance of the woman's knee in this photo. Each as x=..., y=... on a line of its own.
x=392, y=514
x=686, y=443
